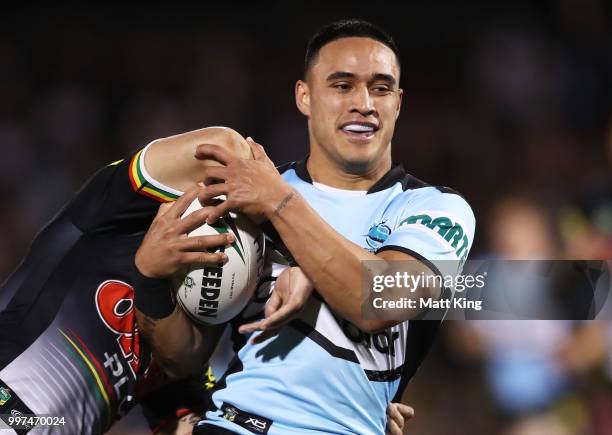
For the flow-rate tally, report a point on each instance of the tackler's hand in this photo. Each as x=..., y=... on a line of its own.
x=397, y=415
x=166, y=248
x=291, y=291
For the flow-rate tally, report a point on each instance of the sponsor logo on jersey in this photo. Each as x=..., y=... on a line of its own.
x=449, y=230
x=377, y=234
x=115, y=305
x=251, y=422
x=5, y=395
x=255, y=422
x=383, y=341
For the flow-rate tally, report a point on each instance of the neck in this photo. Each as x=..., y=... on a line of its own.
x=346, y=176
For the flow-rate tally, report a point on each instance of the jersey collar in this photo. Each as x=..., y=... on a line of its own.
x=396, y=174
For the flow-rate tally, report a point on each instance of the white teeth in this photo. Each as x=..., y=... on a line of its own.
x=358, y=128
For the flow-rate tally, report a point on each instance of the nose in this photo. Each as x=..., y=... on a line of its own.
x=363, y=103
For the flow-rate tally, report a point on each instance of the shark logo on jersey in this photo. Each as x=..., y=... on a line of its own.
x=377, y=234
x=230, y=414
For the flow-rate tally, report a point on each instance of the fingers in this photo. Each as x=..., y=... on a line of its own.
x=163, y=209
x=398, y=414
x=218, y=211
x=183, y=203
x=280, y=316
x=273, y=304
x=256, y=149
x=193, y=220
x=214, y=174
x=207, y=195
x=395, y=416
x=257, y=326
x=393, y=428
x=204, y=243
x=406, y=411
x=210, y=192
x=203, y=257
x=215, y=152
x=276, y=314
x=247, y=328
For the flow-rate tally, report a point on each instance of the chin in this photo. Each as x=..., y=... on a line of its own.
x=358, y=164
x=362, y=154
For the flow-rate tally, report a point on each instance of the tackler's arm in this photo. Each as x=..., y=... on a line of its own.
x=180, y=346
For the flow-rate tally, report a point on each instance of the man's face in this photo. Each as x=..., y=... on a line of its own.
x=352, y=99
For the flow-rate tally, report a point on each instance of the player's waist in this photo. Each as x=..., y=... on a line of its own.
x=240, y=421
x=303, y=396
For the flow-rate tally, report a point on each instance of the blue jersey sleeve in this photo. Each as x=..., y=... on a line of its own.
x=435, y=227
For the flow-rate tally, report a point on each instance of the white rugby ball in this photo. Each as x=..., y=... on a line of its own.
x=216, y=293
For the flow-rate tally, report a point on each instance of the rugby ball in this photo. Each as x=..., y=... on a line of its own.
x=216, y=293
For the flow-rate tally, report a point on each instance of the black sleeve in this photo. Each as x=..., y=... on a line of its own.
x=79, y=247
x=115, y=201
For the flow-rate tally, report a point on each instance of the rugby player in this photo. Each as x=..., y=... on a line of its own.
x=69, y=343
x=330, y=370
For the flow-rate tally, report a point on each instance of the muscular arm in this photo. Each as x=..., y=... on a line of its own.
x=171, y=160
x=335, y=266
x=181, y=346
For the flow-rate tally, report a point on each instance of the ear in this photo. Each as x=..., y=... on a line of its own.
x=302, y=97
x=400, y=93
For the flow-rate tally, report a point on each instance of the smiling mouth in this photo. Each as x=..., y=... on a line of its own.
x=359, y=130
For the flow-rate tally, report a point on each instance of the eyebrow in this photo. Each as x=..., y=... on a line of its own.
x=384, y=78
x=340, y=75
x=375, y=77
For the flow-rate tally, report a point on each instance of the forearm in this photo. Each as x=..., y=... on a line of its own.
x=336, y=266
x=331, y=262
x=180, y=347
x=171, y=160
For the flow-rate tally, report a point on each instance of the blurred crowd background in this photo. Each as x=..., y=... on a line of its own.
x=508, y=102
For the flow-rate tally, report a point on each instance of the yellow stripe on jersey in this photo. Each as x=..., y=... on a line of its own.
x=142, y=186
x=93, y=371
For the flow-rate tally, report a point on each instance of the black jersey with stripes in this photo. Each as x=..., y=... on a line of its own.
x=69, y=343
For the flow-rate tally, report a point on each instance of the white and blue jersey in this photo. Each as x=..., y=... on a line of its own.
x=321, y=374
